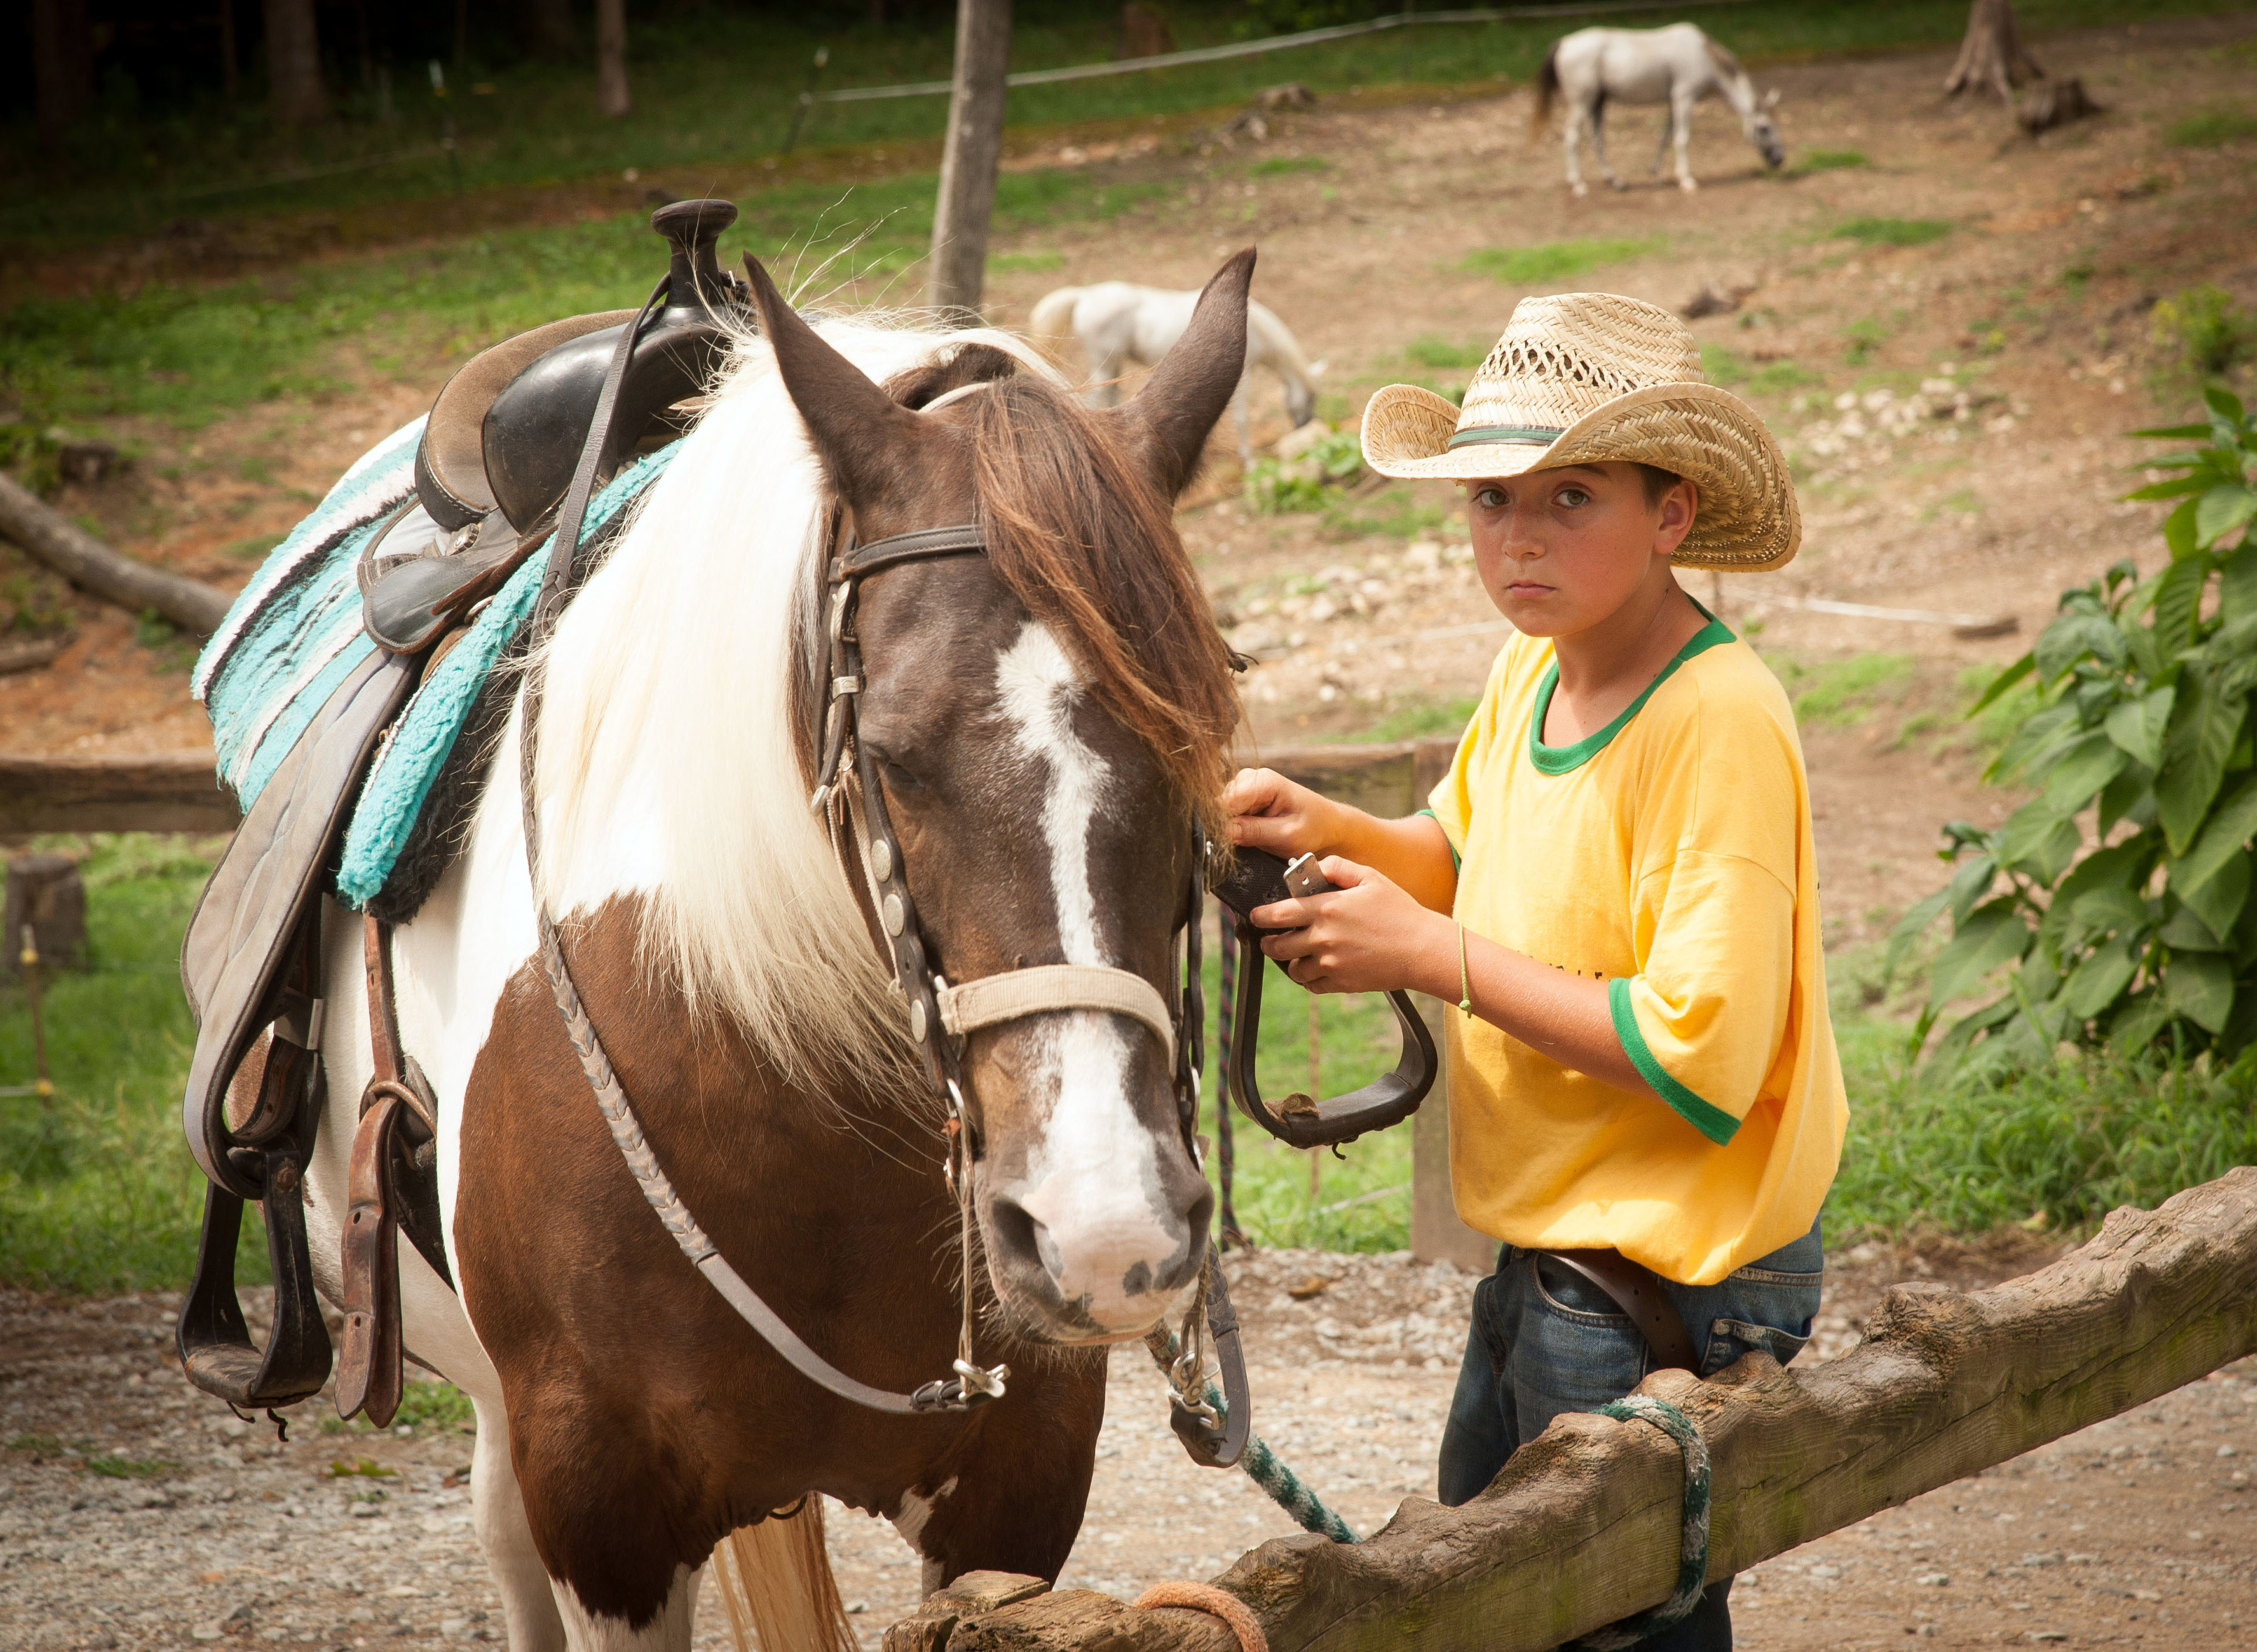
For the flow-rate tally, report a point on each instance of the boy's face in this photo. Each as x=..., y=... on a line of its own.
x=1560, y=551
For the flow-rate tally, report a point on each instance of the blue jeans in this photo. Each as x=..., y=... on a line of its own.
x=1543, y=1341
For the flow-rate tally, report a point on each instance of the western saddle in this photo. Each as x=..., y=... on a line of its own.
x=498, y=458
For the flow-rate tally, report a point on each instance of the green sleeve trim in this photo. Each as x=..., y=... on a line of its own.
x=1456, y=863
x=1712, y=1122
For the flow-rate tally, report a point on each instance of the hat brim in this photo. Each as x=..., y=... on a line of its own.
x=1748, y=519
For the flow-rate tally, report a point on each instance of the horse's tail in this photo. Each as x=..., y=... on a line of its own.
x=1547, y=88
x=1053, y=314
x=776, y=1582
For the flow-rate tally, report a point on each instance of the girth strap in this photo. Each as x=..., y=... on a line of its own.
x=1018, y=993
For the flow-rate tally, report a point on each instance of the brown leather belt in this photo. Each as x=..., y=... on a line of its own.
x=1636, y=1290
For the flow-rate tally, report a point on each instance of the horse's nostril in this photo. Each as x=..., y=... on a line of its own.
x=1018, y=1235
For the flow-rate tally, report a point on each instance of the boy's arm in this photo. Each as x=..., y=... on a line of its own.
x=1268, y=811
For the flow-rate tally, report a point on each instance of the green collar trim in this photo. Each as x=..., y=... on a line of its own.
x=1562, y=759
x=1524, y=435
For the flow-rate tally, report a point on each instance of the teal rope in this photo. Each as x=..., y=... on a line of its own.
x=1267, y=1470
x=1693, y=1541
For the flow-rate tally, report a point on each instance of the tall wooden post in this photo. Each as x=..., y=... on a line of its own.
x=293, y=63
x=62, y=65
x=612, y=96
x=969, y=158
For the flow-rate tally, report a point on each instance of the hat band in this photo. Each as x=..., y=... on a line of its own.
x=1520, y=436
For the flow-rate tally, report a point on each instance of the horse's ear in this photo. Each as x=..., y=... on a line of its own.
x=1170, y=417
x=868, y=443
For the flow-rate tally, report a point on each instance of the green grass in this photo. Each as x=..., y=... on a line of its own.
x=1357, y=1041
x=716, y=86
x=1281, y=166
x=1974, y=1146
x=1430, y=350
x=1891, y=232
x=1554, y=260
x=1423, y=719
x=1843, y=693
x=193, y=354
x=2210, y=128
x=1396, y=511
x=1726, y=366
x=99, y=1194
x=129, y=1468
x=1829, y=160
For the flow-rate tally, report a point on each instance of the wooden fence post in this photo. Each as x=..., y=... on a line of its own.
x=970, y=155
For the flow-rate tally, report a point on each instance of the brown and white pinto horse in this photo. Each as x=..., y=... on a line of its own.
x=1048, y=719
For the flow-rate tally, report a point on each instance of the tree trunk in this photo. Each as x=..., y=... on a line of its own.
x=969, y=158
x=230, y=67
x=612, y=96
x=62, y=65
x=1583, y=1526
x=544, y=27
x=93, y=567
x=293, y=63
x=1991, y=54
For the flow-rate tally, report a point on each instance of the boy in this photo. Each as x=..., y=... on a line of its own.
x=1614, y=886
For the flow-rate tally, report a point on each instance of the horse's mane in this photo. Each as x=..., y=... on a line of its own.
x=1083, y=538
x=670, y=751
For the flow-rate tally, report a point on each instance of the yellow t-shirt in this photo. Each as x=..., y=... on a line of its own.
x=1669, y=855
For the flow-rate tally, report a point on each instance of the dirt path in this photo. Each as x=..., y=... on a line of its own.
x=135, y=1511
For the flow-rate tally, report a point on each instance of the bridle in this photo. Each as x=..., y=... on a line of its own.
x=940, y=1015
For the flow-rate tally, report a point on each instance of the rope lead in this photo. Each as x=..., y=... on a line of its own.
x=1283, y=1488
x=1693, y=1542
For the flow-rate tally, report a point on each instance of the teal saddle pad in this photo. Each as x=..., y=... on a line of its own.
x=294, y=634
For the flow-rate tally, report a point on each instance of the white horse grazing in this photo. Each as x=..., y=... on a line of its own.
x=1678, y=65
x=1119, y=322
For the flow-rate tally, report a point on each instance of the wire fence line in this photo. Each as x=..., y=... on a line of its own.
x=1279, y=43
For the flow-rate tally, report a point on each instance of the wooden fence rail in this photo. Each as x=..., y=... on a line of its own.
x=1581, y=1529
x=156, y=792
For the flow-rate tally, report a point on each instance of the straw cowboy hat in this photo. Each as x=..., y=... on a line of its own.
x=1580, y=377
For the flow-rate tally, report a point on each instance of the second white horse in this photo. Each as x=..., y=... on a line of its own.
x=1678, y=65
x=1119, y=322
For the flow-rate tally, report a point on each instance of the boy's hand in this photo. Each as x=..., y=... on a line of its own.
x=1366, y=936
x=1268, y=811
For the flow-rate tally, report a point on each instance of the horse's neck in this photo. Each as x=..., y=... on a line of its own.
x=1269, y=345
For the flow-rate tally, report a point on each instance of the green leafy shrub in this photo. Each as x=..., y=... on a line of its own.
x=2212, y=334
x=2142, y=714
x=1275, y=486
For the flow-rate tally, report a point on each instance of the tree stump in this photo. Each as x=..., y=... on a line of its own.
x=2053, y=104
x=46, y=895
x=1991, y=54
x=1144, y=33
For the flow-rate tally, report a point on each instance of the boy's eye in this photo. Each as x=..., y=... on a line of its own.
x=1574, y=499
x=1489, y=498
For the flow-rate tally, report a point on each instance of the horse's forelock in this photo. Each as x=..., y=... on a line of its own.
x=1082, y=536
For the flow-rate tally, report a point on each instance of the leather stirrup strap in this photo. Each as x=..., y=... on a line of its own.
x=1636, y=1290
x=369, y=1373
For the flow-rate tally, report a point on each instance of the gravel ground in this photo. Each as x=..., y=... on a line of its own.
x=134, y=1511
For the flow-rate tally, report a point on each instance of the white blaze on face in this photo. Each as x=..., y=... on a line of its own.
x=1093, y=1180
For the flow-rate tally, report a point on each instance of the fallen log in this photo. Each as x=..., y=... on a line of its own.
x=157, y=791
x=96, y=569
x=1582, y=1528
